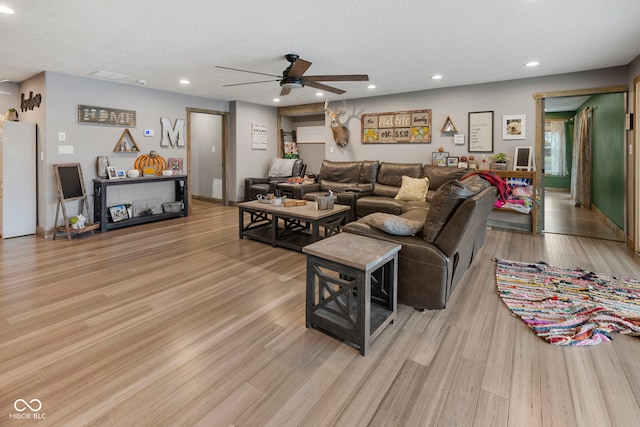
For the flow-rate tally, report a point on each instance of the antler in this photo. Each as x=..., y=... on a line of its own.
x=342, y=109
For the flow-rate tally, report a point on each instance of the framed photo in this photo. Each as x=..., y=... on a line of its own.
x=453, y=161
x=439, y=158
x=514, y=127
x=121, y=174
x=481, y=132
x=118, y=213
x=112, y=173
x=523, y=160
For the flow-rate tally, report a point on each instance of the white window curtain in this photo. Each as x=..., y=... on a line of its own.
x=557, y=148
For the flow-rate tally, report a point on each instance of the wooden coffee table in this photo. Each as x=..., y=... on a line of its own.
x=289, y=227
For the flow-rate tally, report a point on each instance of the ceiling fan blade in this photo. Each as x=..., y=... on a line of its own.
x=325, y=87
x=339, y=78
x=285, y=91
x=246, y=71
x=250, y=83
x=298, y=68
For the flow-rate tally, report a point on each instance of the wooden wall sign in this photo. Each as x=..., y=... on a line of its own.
x=106, y=116
x=398, y=127
x=31, y=102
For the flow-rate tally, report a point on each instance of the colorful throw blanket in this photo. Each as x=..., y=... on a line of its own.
x=569, y=306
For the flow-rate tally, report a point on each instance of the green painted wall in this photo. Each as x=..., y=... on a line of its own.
x=608, y=154
x=562, y=181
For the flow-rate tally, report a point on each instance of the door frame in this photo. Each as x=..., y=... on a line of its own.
x=225, y=151
x=539, y=144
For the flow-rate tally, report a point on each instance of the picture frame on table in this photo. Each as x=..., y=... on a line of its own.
x=439, y=158
x=118, y=213
x=453, y=161
x=514, y=126
x=112, y=172
x=121, y=174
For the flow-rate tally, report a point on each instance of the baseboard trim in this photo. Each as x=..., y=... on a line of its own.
x=612, y=225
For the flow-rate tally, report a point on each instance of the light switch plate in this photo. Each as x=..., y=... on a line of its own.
x=62, y=136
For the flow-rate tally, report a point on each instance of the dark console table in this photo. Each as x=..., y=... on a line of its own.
x=100, y=214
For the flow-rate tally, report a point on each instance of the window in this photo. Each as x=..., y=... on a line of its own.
x=555, y=148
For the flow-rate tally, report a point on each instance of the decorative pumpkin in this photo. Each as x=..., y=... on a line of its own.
x=153, y=160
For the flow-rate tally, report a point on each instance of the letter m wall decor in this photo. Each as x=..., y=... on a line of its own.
x=172, y=136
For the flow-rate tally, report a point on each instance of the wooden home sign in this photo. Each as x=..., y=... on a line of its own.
x=106, y=116
x=398, y=127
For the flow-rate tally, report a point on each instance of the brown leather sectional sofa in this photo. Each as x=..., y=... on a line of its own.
x=454, y=215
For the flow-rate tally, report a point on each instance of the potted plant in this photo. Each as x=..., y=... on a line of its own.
x=500, y=161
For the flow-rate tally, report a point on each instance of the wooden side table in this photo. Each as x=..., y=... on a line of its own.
x=341, y=271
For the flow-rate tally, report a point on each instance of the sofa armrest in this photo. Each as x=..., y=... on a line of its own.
x=300, y=190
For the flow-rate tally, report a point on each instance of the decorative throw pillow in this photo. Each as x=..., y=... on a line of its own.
x=413, y=189
x=392, y=224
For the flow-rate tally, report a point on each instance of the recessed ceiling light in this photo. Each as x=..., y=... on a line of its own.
x=436, y=77
x=371, y=87
x=319, y=93
x=4, y=80
x=5, y=9
x=276, y=99
x=532, y=64
x=184, y=82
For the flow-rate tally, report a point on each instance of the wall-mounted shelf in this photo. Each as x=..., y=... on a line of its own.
x=126, y=143
x=448, y=126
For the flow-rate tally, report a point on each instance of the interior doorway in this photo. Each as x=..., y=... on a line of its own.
x=207, y=154
x=605, y=216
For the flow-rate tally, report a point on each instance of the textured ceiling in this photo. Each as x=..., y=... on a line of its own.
x=399, y=43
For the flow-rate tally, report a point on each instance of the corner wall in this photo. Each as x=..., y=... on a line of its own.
x=61, y=95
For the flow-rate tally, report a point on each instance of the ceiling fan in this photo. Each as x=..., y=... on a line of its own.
x=293, y=77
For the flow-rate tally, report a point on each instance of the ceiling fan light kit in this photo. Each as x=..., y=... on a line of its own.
x=293, y=77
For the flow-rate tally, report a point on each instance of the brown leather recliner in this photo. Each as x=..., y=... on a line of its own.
x=431, y=263
x=255, y=186
x=347, y=180
x=386, y=187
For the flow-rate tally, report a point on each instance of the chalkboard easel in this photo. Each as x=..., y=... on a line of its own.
x=70, y=186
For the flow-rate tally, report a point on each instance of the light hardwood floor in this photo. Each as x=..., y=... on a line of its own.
x=562, y=217
x=181, y=323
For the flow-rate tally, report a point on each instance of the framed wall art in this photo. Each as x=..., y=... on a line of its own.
x=481, y=132
x=397, y=127
x=514, y=127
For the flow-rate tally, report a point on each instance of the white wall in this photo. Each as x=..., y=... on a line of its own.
x=61, y=96
x=244, y=160
x=206, y=167
x=503, y=98
x=12, y=100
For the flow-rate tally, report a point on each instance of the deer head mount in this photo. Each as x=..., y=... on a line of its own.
x=340, y=132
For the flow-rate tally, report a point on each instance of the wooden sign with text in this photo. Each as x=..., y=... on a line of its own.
x=106, y=116
x=398, y=127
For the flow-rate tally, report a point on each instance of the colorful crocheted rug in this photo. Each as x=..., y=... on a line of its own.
x=569, y=306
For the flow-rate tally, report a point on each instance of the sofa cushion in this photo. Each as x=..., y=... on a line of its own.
x=444, y=203
x=345, y=172
x=391, y=173
x=371, y=204
x=413, y=189
x=392, y=224
x=439, y=175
